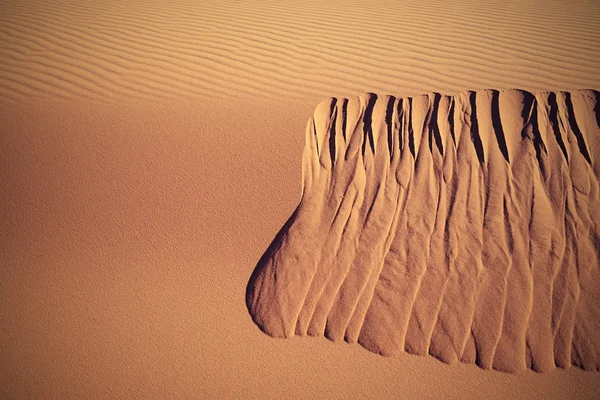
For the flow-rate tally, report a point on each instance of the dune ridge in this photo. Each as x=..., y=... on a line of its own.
x=465, y=227
x=67, y=49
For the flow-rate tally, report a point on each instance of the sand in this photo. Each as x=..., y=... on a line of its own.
x=151, y=152
x=465, y=227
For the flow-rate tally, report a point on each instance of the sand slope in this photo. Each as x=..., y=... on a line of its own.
x=149, y=154
x=463, y=227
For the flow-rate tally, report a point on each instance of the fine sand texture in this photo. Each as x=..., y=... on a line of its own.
x=466, y=227
x=151, y=150
x=309, y=50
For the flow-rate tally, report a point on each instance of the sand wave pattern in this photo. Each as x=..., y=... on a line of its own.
x=131, y=49
x=465, y=227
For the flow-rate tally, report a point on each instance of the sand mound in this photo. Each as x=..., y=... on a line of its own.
x=463, y=227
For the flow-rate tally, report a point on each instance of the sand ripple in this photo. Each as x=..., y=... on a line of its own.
x=308, y=50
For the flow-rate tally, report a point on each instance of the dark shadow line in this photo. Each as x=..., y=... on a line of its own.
x=597, y=107
x=497, y=125
x=401, y=120
x=575, y=128
x=475, y=138
x=538, y=142
x=332, y=121
x=345, y=118
x=368, y=124
x=451, y=119
x=434, y=127
x=553, y=118
x=389, y=114
x=411, y=136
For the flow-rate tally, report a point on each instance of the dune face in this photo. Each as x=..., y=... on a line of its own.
x=151, y=150
x=465, y=227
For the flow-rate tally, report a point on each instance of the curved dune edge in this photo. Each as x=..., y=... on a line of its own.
x=465, y=227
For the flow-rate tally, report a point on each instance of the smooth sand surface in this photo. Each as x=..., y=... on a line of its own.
x=151, y=151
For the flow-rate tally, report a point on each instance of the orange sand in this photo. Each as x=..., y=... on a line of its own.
x=464, y=227
x=150, y=152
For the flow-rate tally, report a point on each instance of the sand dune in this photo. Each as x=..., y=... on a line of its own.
x=148, y=156
x=463, y=227
x=130, y=50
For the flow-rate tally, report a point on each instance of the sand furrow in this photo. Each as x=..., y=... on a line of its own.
x=475, y=237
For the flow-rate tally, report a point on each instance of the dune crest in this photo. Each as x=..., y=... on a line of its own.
x=465, y=227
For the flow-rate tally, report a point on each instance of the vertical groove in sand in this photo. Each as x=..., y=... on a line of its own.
x=463, y=227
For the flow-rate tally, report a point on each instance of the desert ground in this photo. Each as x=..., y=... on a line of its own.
x=151, y=151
